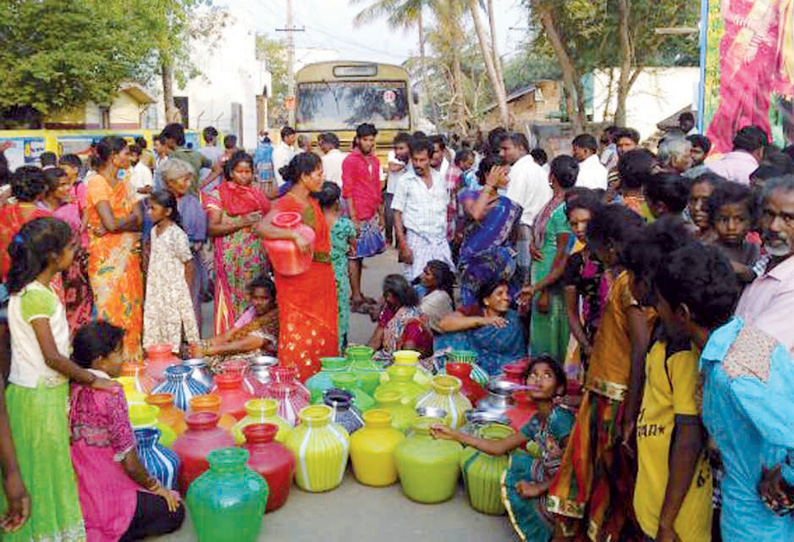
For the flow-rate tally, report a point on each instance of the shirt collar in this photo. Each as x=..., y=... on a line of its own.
x=591, y=159
x=784, y=271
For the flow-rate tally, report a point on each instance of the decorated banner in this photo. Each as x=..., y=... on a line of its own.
x=749, y=69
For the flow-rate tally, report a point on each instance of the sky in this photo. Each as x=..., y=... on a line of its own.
x=329, y=24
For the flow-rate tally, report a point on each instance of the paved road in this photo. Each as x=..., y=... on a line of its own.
x=356, y=513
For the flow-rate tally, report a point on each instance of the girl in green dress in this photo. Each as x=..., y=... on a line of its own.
x=537, y=450
x=551, y=244
x=38, y=388
x=343, y=244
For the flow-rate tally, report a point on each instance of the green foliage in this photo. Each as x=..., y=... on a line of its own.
x=58, y=54
x=274, y=52
x=590, y=32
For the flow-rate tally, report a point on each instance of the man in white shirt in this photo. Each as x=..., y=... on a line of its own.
x=439, y=161
x=283, y=152
x=529, y=187
x=332, y=157
x=592, y=174
x=420, y=213
x=399, y=158
x=141, y=178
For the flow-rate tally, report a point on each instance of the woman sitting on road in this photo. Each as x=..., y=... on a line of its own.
x=437, y=280
x=255, y=333
x=490, y=328
x=400, y=324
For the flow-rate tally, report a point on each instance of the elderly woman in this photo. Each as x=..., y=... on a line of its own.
x=490, y=328
x=400, y=324
x=234, y=209
x=178, y=177
x=255, y=333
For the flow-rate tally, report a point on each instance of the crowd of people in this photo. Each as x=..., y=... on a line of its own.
x=661, y=282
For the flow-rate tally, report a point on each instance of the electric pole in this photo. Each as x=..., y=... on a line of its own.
x=290, y=30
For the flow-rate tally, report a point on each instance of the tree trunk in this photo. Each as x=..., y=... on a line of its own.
x=171, y=111
x=458, y=105
x=574, y=97
x=497, y=59
x=498, y=89
x=423, y=60
x=626, y=54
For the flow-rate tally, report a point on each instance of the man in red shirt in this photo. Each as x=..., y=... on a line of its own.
x=362, y=189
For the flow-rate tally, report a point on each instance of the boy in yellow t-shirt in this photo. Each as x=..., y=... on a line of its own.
x=694, y=291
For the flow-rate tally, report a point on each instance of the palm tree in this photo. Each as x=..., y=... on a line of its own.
x=400, y=14
x=493, y=63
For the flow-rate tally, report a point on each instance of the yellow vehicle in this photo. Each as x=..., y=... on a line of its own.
x=338, y=96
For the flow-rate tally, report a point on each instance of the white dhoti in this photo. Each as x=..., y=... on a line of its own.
x=424, y=249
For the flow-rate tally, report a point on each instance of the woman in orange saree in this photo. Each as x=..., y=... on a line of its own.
x=114, y=259
x=307, y=302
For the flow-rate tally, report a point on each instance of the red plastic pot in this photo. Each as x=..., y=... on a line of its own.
x=159, y=357
x=194, y=445
x=473, y=391
x=271, y=460
x=229, y=387
x=284, y=254
x=512, y=372
x=523, y=409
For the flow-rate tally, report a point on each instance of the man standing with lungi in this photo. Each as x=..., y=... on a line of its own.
x=420, y=213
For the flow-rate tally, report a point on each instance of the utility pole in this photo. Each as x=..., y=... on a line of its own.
x=290, y=30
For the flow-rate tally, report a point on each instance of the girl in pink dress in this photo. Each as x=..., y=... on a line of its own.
x=119, y=498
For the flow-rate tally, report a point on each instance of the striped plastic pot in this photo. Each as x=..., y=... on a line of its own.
x=159, y=461
x=321, y=449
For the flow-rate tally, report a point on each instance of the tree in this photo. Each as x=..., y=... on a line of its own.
x=274, y=52
x=586, y=36
x=401, y=14
x=60, y=54
x=493, y=63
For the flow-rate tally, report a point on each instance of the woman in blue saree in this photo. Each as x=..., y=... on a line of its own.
x=487, y=253
x=490, y=328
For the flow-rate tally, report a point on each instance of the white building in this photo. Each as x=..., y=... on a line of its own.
x=225, y=94
x=657, y=94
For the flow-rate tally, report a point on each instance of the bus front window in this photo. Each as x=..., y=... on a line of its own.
x=343, y=105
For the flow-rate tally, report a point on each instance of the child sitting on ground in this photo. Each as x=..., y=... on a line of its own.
x=529, y=475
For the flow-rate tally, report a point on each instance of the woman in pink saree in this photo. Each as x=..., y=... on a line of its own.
x=756, y=62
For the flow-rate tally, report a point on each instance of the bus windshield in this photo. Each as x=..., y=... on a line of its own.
x=343, y=105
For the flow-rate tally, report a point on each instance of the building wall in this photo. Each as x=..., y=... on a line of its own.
x=230, y=74
x=657, y=94
x=125, y=113
x=531, y=107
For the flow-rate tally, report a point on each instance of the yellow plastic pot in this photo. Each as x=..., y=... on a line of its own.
x=372, y=449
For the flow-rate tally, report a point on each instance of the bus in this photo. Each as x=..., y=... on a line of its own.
x=338, y=96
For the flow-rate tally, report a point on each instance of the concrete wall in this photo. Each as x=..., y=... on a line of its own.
x=657, y=94
x=230, y=73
